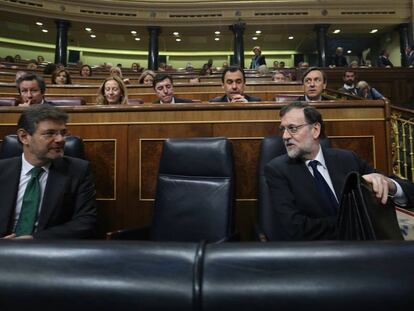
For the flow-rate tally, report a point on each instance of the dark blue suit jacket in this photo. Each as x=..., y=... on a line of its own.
x=297, y=206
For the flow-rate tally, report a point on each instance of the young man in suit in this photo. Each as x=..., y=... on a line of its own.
x=57, y=202
x=302, y=211
x=164, y=89
x=233, y=81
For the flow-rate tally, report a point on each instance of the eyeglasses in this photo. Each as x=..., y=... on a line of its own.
x=292, y=129
x=53, y=133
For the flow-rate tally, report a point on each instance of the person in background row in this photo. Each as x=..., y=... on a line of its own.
x=233, y=81
x=349, y=79
x=384, y=61
x=409, y=56
x=31, y=88
x=49, y=69
x=194, y=80
x=19, y=74
x=339, y=60
x=282, y=65
x=85, y=71
x=275, y=64
x=368, y=92
x=117, y=72
x=40, y=59
x=354, y=64
x=136, y=67
x=258, y=59
x=45, y=195
x=279, y=77
x=314, y=83
x=303, y=65
x=162, y=67
x=61, y=77
x=147, y=77
x=112, y=92
x=32, y=65
x=17, y=58
x=164, y=89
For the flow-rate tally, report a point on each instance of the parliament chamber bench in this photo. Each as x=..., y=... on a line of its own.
x=124, y=145
x=123, y=276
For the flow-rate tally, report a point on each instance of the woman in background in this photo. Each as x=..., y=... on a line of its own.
x=85, y=71
x=61, y=77
x=116, y=71
x=112, y=92
x=147, y=77
x=368, y=92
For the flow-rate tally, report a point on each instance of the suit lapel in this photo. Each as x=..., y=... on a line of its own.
x=333, y=164
x=54, y=193
x=9, y=181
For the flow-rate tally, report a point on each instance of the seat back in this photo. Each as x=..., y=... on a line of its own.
x=66, y=101
x=11, y=147
x=271, y=147
x=8, y=101
x=195, y=191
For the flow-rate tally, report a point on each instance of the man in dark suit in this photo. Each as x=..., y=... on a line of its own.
x=314, y=84
x=164, y=89
x=384, y=60
x=64, y=205
x=32, y=90
x=233, y=81
x=339, y=60
x=301, y=210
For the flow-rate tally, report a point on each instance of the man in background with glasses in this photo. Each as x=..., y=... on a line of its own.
x=306, y=183
x=32, y=89
x=45, y=195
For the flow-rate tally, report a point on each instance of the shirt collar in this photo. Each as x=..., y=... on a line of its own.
x=347, y=87
x=308, y=100
x=319, y=157
x=172, y=101
x=26, y=166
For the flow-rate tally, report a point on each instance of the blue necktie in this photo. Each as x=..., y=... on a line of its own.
x=328, y=198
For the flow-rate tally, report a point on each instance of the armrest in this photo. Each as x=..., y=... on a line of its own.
x=129, y=234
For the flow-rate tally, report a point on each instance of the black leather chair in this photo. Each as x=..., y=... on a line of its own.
x=8, y=101
x=271, y=147
x=123, y=276
x=11, y=147
x=195, y=192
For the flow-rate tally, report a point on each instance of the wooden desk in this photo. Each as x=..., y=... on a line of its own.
x=124, y=146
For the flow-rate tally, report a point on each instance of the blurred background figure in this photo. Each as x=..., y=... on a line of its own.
x=147, y=77
x=258, y=59
x=117, y=72
x=85, y=71
x=279, y=77
x=136, y=67
x=368, y=92
x=61, y=77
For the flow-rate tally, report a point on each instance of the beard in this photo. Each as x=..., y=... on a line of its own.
x=296, y=152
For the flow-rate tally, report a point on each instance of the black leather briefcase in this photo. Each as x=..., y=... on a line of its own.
x=362, y=216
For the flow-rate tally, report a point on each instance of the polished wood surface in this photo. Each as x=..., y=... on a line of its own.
x=124, y=145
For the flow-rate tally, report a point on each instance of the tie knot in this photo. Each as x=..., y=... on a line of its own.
x=35, y=172
x=313, y=164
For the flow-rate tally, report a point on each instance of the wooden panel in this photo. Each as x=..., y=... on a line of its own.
x=124, y=145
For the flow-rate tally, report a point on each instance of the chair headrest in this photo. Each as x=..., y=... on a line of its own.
x=213, y=157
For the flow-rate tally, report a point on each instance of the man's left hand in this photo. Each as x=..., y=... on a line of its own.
x=381, y=185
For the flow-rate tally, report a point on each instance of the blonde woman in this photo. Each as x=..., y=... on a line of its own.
x=112, y=92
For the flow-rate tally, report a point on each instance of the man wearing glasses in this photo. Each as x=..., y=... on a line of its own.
x=305, y=201
x=45, y=195
x=32, y=90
